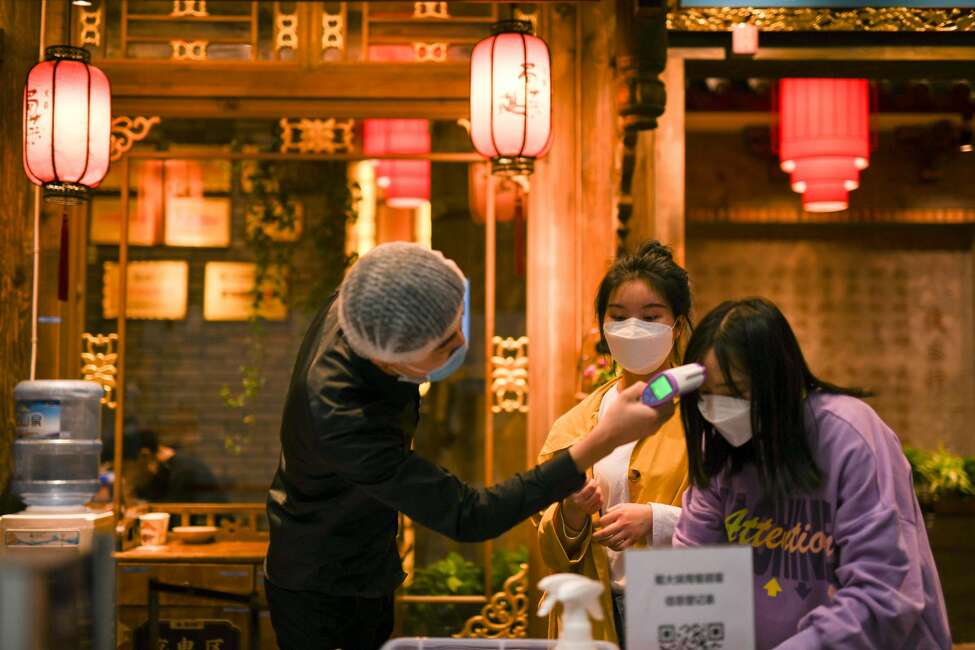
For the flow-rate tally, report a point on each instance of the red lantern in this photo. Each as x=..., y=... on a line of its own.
x=407, y=182
x=506, y=195
x=824, y=138
x=511, y=98
x=67, y=124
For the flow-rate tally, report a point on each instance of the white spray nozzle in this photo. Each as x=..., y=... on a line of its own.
x=579, y=596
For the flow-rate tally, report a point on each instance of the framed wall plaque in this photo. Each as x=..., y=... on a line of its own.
x=197, y=221
x=155, y=290
x=229, y=293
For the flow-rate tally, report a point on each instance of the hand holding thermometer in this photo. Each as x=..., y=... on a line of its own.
x=667, y=385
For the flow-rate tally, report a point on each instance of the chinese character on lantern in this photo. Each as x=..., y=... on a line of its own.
x=511, y=98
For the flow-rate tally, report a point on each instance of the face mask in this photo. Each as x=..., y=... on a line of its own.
x=455, y=361
x=731, y=416
x=640, y=347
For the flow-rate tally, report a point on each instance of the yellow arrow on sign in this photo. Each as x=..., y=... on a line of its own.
x=772, y=588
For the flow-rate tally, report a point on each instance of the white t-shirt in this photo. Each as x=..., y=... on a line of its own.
x=611, y=473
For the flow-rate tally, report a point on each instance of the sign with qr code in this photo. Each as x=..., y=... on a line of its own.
x=690, y=599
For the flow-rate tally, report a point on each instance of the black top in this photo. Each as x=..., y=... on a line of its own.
x=183, y=479
x=346, y=469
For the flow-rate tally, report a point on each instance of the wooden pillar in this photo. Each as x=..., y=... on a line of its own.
x=658, y=177
x=20, y=24
x=394, y=224
x=570, y=223
x=571, y=232
x=967, y=445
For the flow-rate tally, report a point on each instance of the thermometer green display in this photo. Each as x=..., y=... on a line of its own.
x=666, y=386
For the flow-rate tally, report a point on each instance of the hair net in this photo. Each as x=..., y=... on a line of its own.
x=399, y=301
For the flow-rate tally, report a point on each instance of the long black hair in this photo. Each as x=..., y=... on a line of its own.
x=752, y=338
x=653, y=263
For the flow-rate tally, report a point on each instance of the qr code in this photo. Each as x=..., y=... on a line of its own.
x=691, y=636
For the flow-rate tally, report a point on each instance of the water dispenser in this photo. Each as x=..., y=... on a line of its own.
x=56, y=455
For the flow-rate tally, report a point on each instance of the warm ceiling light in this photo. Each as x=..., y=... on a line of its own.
x=824, y=138
x=511, y=98
x=406, y=182
x=744, y=39
x=67, y=124
x=965, y=138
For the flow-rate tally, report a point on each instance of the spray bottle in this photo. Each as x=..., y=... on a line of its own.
x=580, y=599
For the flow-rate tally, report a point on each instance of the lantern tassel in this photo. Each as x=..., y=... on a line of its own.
x=520, y=235
x=63, y=260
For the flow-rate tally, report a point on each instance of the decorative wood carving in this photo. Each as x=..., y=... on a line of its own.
x=126, y=131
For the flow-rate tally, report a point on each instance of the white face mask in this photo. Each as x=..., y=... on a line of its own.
x=731, y=416
x=640, y=347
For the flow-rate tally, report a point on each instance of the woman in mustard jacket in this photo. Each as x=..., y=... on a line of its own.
x=632, y=496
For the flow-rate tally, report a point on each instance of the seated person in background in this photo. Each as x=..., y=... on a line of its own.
x=816, y=483
x=10, y=503
x=158, y=473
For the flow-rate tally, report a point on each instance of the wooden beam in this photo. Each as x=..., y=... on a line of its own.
x=729, y=121
x=358, y=81
x=895, y=69
x=275, y=108
x=829, y=39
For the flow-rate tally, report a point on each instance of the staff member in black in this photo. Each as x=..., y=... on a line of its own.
x=346, y=468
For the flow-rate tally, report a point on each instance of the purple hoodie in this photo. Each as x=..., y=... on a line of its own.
x=847, y=566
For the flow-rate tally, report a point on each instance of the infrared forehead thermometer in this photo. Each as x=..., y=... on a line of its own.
x=667, y=385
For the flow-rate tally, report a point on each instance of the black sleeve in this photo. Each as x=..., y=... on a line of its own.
x=376, y=460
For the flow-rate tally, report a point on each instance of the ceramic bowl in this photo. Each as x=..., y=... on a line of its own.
x=194, y=534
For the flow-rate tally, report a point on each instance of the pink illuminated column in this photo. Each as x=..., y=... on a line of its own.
x=511, y=98
x=824, y=138
x=67, y=124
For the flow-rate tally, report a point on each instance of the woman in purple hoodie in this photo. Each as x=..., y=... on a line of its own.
x=813, y=480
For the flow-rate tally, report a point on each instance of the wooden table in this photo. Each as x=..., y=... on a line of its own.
x=195, y=593
x=225, y=552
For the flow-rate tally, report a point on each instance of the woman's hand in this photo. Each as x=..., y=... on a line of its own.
x=624, y=525
x=582, y=504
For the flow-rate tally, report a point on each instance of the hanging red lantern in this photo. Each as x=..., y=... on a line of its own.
x=824, y=138
x=407, y=182
x=511, y=98
x=67, y=124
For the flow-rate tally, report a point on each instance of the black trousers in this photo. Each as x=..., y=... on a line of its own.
x=317, y=621
x=619, y=619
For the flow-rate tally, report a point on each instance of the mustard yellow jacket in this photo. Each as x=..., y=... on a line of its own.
x=657, y=474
